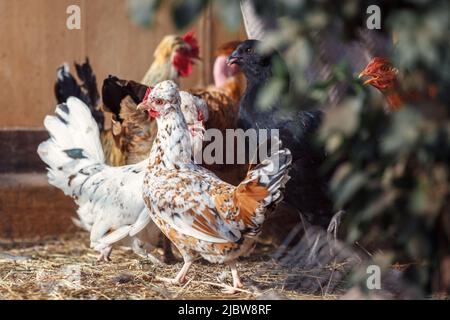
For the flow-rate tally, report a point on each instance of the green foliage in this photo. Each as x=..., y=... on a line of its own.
x=184, y=12
x=143, y=11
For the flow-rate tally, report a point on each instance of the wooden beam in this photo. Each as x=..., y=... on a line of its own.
x=18, y=149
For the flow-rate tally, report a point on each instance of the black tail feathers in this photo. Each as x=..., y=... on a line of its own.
x=67, y=86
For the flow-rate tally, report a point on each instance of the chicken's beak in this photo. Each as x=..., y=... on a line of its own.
x=365, y=73
x=235, y=58
x=362, y=74
x=369, y=81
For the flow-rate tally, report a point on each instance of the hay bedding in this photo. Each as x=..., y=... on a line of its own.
x=66, y=268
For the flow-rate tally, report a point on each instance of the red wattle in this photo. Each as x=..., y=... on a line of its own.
x=153, y=113
x=182, y=63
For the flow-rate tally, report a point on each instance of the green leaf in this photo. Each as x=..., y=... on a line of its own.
x=343, y=119
x=270, y=94
x=229, y=12
x=143, y=12
x=404, y=132
x=186, y=11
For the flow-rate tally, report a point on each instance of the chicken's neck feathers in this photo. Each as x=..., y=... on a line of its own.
x=395, y=97
x=160, y=70
x=172, y=146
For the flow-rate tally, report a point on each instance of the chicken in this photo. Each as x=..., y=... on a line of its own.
x=396, y=89
x=201, y=214
x=306, y=192
x=109, y=199
x=173, y=58
x=383, y=76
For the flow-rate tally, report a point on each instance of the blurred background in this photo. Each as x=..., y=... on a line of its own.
x=388, y=171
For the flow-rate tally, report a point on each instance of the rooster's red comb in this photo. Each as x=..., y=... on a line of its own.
x=191, y=39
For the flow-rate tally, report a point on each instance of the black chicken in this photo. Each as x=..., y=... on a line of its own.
x=306, y=190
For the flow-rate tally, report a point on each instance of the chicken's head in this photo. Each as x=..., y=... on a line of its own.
x=178, y=51
x=252, y=61
x=165, y=97
x=160, y=99
x=382, y=74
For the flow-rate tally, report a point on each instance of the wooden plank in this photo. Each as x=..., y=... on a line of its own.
x=33, y=42
x=30, y=207
x=18, y=150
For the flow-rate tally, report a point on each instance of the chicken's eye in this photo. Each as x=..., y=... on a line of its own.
x=158, y=102
x=249, y=50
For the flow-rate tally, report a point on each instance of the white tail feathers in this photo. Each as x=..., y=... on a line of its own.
x=74, y=136
x=262, y=188
x=272, y=173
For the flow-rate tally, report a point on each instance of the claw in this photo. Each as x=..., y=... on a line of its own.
x=105, y=255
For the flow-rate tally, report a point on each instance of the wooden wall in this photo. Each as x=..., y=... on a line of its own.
x=34, y=41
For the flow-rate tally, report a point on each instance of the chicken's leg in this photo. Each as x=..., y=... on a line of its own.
x=237, y=284
x=105, y=254
x=181, y=276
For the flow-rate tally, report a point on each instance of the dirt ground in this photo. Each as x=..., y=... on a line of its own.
x=66, y=268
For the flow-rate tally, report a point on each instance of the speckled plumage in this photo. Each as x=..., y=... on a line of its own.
x=201, y=214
